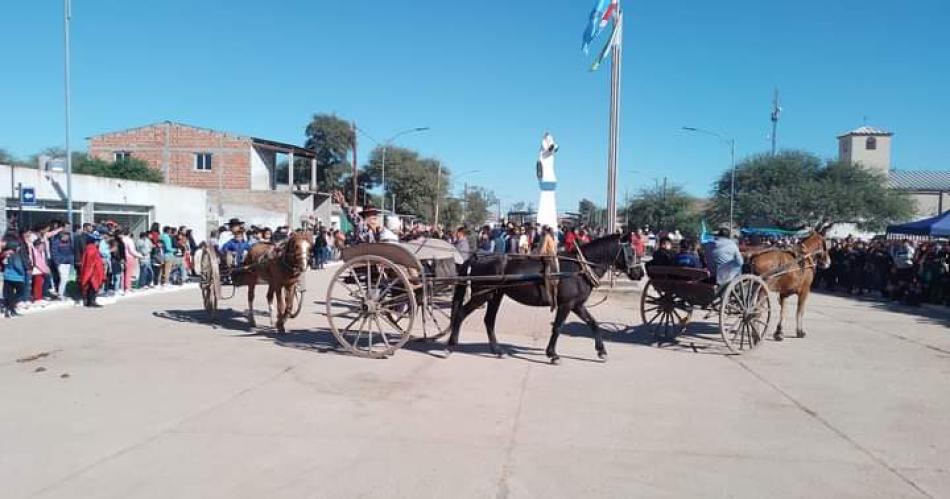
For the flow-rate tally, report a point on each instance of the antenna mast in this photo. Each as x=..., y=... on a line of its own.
x=776, y=111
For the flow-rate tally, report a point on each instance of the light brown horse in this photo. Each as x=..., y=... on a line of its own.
x=791, y=272
x=281, y=266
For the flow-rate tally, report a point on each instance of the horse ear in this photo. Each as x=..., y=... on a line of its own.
x=823, y=227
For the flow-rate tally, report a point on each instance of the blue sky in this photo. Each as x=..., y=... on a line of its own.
x=490, y=77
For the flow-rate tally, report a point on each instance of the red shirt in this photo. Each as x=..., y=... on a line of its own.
x=93, y=271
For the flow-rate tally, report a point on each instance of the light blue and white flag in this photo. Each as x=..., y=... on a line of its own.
x=616, y=39
x=600, y=16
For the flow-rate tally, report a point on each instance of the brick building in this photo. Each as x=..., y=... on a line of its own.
x=246, y=177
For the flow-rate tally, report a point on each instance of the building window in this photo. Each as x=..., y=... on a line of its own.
x=121, y=156
x=871, y=144
x=203, y=161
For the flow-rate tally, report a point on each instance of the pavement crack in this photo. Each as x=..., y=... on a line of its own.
x=827, y=424
x=503, y=476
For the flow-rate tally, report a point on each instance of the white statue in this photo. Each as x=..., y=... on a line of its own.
x=547, y=181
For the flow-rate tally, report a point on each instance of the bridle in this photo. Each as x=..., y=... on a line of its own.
x=290, y=257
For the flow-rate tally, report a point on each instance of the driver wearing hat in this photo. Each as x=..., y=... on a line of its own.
x=366, y=223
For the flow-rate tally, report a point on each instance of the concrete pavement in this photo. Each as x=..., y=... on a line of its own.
x=144, y=399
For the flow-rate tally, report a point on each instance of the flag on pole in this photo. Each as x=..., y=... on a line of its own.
x=616, y=39
x=600, y=16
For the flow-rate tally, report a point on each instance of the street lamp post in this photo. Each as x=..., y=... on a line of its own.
x=732, y=153
x=67, y=18
x=385, y=145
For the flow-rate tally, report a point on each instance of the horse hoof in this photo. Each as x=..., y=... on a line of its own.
x=602, y=356
x=800, y=334
x=778, y=337
x=555, y=361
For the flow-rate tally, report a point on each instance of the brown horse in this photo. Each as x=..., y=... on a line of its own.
x=281, y=266
x=791, y=272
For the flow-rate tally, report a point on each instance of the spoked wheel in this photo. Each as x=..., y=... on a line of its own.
x=210, y=282
x=664, y=314
x=437, y=315
x=371, y=306
x=745, y=313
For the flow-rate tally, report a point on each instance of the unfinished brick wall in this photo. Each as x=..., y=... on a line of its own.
x=231, y=161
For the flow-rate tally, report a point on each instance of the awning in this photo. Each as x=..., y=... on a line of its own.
x=938, y=226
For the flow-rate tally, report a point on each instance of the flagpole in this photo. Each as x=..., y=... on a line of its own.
x=614, y=130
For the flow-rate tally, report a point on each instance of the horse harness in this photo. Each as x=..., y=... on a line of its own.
x=800, y=261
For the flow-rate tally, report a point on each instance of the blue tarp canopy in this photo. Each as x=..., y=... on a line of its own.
x=938, y=226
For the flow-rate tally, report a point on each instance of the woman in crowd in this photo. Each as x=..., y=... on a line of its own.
x=15, y=275
x=144, y=247
x=93, y=272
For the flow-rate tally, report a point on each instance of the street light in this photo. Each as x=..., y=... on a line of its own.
x=732, y=152
x=385, y=145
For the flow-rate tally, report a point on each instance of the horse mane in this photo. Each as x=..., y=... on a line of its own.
x=601, y=249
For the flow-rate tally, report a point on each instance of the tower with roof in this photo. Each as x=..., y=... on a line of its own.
x=868, y=146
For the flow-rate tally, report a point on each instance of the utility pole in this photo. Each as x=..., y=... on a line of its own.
x=776, y=111
x=355, y=171
x=67, y=17
x=438, y=192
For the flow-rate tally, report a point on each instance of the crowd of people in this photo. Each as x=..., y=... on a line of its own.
x=49, y=262
x=52, y=262
x=899, y=270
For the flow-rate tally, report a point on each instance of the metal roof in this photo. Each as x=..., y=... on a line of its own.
x=867, y=130
x=920, y=180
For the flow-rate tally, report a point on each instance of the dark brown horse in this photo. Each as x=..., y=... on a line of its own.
x=281, y=266
x=518, y=278
x=791, y=272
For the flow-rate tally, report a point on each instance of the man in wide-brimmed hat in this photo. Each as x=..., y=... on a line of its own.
x=235, y=225
x=366, y=223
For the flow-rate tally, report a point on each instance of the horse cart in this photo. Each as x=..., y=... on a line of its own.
x=374, y=300
x=671, y=294
x=215, y=273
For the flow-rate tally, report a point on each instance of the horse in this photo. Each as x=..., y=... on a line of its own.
x=580, y=271
x=281, y=266
x=791, y=272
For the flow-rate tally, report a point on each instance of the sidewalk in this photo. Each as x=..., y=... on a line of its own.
x=105, y=300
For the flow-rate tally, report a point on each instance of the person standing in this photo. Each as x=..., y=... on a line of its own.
x=144, y=246
x=461, y=243
x=14, y=275
x=133, y=257
x=41, y=271
x=93, y=271
x=61, y=251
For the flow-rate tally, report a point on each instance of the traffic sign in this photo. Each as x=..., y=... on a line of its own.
x=28, y=196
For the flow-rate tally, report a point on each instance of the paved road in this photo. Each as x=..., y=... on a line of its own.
x=159, y=404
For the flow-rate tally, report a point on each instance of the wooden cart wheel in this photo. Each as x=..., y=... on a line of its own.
x=437, y=314
x=745, y=313
x=664, y=314
x=371, y=306
x=210, y=282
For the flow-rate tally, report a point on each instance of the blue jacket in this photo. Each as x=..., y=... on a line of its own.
x=62, y=252
x=687, y=259
x=14, y=270
x=239, y=248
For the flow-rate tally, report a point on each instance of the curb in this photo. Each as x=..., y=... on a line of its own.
x=105, y=300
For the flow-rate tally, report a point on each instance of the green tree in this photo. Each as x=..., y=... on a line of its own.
x=451, y=212
x=796, y=189
x=478, y=204
x=331, y=138
x=415, y=182
x=664, y=208
x=129, y=169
